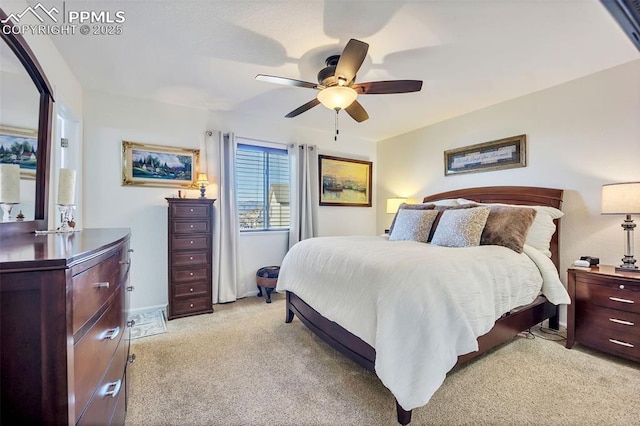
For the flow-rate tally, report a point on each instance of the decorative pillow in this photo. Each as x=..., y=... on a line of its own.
x=440, y=209
x=508, y=227
x=542, y=228
x=410, y=207
x=461, y=227
x=413, y=225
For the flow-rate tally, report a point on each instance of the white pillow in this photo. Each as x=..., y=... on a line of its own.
x=461, y=227
x=448, y=202
x=542, y=228
x=413, y=225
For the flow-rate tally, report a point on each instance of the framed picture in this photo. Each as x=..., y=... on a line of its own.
x=500, y=154
x=344, y=182
x=19, y=146
x=156, y=165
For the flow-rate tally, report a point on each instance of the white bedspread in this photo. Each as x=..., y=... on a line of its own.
x=420, y=306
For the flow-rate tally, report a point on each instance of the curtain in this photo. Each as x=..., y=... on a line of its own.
x=227, y=268
x=304, y=192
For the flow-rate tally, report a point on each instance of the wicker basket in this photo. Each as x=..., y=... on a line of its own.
x=268, y=276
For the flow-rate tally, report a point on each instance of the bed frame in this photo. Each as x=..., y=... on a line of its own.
x=507, y=327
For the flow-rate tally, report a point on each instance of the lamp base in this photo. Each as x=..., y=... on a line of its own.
x=202, y=190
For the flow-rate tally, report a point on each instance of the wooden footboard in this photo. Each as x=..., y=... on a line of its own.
x=362, y=353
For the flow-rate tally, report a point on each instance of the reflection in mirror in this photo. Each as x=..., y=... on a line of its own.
x=26, y=104
x=19, y=101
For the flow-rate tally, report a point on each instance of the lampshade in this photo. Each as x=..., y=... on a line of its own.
x=394, y=203
x=337, y=97
x=202, y=178
x=621, y=198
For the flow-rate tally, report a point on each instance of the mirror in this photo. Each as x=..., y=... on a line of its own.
x=27, y=104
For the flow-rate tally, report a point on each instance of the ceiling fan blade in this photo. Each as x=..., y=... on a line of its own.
x=388, y=87
x=357, y=112
x=351, y=59
x=286, y=81
x=303, y=108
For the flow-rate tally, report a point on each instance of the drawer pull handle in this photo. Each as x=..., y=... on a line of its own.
x=190, y=273
x=191, y=209
x=131, y=288
x=621, y=286
x=102, y=285
x=191, y=242
x=131, y=323
x=191, y=305
x=618, y=342
x=617, y=321
x=111, y=334
x=191, y=258
x=191, y=290
x=130, y=251
x=125, y=262
x=617, y=299
x=191, y=226
x=112, y=389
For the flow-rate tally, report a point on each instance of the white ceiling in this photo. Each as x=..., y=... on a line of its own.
x=470, y=54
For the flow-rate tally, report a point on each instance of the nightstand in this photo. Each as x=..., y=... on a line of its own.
x=605, y=310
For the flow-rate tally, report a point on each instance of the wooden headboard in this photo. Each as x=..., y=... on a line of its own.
x=523, y=195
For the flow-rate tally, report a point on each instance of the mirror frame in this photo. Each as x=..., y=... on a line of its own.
x=24, y=53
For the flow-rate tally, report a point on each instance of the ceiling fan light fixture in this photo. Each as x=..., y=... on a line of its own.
x=337, y=97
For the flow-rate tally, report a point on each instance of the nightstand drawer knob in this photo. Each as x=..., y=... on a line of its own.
x=621, y=286
x=623, y=322
x=191, y=305
x=618, y=342
x=617, y=299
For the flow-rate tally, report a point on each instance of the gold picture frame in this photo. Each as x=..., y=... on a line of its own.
x=20, y=146
x=500, y=154
x=344, y=182
x=159, y=166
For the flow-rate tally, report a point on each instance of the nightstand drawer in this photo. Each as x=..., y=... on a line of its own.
x=594, y=321
x=625, y=299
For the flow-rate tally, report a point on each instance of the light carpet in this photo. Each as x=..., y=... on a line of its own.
x=242, y=365
x=148, y=324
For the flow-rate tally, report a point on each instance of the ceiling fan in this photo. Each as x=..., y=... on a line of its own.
x=337, y=87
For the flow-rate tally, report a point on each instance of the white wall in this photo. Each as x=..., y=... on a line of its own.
x=580, y=135
x=109, y=119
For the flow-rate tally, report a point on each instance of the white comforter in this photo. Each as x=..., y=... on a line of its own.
x=419, y=305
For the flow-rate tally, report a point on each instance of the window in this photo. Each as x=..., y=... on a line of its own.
x=262, y=187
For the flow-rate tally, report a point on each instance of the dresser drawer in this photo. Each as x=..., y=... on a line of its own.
x=194, y=226
x=195, y=242
x=188, y=259
x=595, y=321
x=189, y=274
x=190, y=290
x=94, y=351
x=189, y=211
x=191, y=305
x=106, y=402
x=93, y=287
x=609, y=296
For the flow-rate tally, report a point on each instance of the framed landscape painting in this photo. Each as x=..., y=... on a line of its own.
x=19, y=146
x=344, y=182
x=156, y=165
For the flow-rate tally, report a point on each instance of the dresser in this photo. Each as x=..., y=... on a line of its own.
x=190, y=223
x=63, y=322
x=605, y=310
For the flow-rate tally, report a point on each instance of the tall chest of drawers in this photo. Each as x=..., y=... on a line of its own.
x=190, y=224
x=605, y=310
x=64, y=329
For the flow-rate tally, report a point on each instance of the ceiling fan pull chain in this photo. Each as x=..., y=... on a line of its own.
x=335, y=138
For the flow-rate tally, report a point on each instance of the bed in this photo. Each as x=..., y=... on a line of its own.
x=377, y=315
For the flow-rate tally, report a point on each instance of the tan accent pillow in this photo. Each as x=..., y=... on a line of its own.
x=461, y=227
x=413, y=225
x=409, y=207
x=508, y=227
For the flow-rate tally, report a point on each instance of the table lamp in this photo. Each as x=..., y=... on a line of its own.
x=394, y=203
x=203, y=181
x=623, y=198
